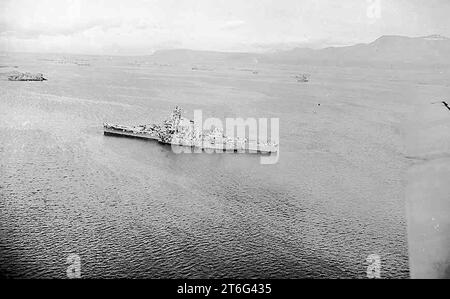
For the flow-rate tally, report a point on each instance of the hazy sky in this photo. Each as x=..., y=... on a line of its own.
x=142, y=26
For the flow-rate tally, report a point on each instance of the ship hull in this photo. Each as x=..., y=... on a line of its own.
x=119, y=133
x=204, y=146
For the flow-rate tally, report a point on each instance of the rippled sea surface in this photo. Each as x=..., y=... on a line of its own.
x=132, y=208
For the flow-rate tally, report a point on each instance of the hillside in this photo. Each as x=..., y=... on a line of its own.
x=386, y=50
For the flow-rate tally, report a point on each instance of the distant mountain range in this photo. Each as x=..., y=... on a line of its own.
x=387, y=50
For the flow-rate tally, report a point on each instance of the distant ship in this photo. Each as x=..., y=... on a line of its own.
x=16, y=76
x=180, y=131
x=303, y=77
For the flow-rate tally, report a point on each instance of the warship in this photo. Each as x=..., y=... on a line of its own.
x=179, y=131
x=17, y=76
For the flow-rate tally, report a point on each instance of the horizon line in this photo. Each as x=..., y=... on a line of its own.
x=227, y=52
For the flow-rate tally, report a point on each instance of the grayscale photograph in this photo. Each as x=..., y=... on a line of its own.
x=215, y=140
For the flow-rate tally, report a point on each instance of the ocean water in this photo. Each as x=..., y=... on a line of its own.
x=132, y=208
